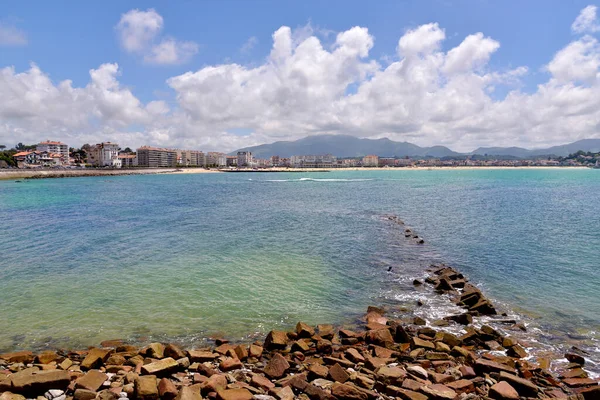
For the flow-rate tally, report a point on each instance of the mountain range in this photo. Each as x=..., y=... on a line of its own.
x=349, y=146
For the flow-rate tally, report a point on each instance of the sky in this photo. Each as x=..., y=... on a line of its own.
x=221, y=75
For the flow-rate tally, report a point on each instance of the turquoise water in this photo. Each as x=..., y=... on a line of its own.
x=181, y=257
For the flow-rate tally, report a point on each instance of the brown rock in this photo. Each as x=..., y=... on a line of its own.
x=276, y=367
x=374, y=362
x=467, y=372
x=572, y=357
x=229, y=364
x=338, y=374
x=65, y=364
x=46, y=357
x=575, y=373
x=241, y=352
x=462, y=386
x=37, y=382
x=83, y=394
x=440, y=378
x=442, y=347
x=304, y=331
x=11, y=396
x=354, y=355
x=201, y=356
x=234, y=394
x=92, y=380
x=24, y=357
x=284, y=393
x=188, y=393
x=174, y=351
x=347, y=391
x=154, y=350
x=146, y=388
x=115, y=359
x=301, y=346
x=324, y=346
x=416, y=343
x=523, y=386
x=503, y=391
x=390, y=375
x=215, y=383
x=438, y=391
x=482, y=365
x=317, y=371
x=381, y=337
x=255, y=351
x=579, y=382
x=591, y=393
x=411, y=384
x=516, y=351
x=160, y=367
x=404, y=394
x=95, y=358
x=276, y=340
x=326, y=331
x=167, y=389
x=261, y=382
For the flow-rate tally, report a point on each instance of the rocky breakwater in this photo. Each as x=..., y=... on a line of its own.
x=382, y=358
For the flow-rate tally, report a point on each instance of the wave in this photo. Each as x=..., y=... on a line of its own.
x=318, y=180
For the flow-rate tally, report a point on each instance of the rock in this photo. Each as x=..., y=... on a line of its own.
x=516, y=351
x=380, y=337
x=95, y=358
x=167, y=389
x=13, y=396
x=92, y=380
x=284, y=393
x=83, y=394
x=317, y=371
x=461, y=386
x=276, y=367
x=301, y=346
x=575, y=358
x=160, y=367
x=188, y=393
x=304, y=331
x=214, y=384
x=442, y=347
x=390, y=375
x=579, y=382
x=115, y=359
x=354, y=355
x=234, y=394
x=184, y=362
x=65, y=364
x=417, y=282
x=438, y=391
x=482, y=365
x=255, y=351
x=440, y=378
x=276, y=340
x=419, y=321
x=346, y=391
x=24, y=357
x=326, y=331
x=416, y=343
x=463, y=319
x=53, y=393
x=46, y=357
x=154, y=350
x=201, y=356
x=575, y=373
x=174, y=351
x=503, y=391
x=31, y=382
x=324, y=346
x=338, y=374
x=591, y=393
x=467, y=372
x=523, y=386
x=229, y=364
x=400, y=335
x=261, y=382
x=404, y=394
x=418, y=371
x=241, y=352
x=146, y=388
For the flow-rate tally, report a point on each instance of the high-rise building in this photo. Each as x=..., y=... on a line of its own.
x=216, y=159
x=55, y=148
x=244, y=159
x=155, y=157
x=104, y=155
x=370, y=161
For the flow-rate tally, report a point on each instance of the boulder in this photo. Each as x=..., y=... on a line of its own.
x=95, y=358
x=33, y=382
x=326, y=331
x=168, y=391
x=84, y=394
x=115, y=359
x=146, y=388
x=420, y=343
x=230, y=364
x=255, y=351
x=215, y=383
x=338, y=374
x=347, y=391
x=234, y=394
x=354, y=355
x=261, y=382
x=381, y=337
x=276, y=367
x=276, y=340
x=174, y=351
x=317, y=371
x=390, y=375
x=575, y=358
x=482, y=366
x=417, y=371
x=503, y=391
x=188, y=393
x=24, y=357
x=201, y=356
x=160, y=367
x=46, y=357
x=11, y=396
x=523, y=386
x=516, y=351
x=154, y=350
x=284, y=393
x=304, y=331
x=461, y=386
x=437, y=391
x=92, y=380
x=241, y=352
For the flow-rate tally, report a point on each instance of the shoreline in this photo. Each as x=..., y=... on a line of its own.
x=383, y=356
x=16, y=174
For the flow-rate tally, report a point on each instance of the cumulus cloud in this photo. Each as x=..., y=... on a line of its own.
x=10, y=35
x=139, y=33
x=249, y=44
x=586, y=21
x=426, y=94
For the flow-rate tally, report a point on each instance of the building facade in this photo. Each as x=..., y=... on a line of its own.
x=370, y=161
x=104, y=154
x=244, y=159
x=128, y=160
x=216, y=159
x=55, y=148
x=191, y=158
x=310, y=161
x=154, y=157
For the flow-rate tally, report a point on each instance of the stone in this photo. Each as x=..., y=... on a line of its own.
x=261, y=382
x=46, y=357
x=154, y=350
x=411, y=384
x=83, y=394
x=390, y=375
x=92, y=380
x=575, y=358
x=184, y=362
x=38, y=382
x=503, y=391
x=463, y=319
x=419, y=321
x=188, y=393
x=234, y=394
x=326, y=331
x=284, y=393
x=65, y=364
x=304, y=331
x=482, y=365
x=460, y=352
x=438, y=391
x=24, y=357
x=516, y=351
x=579, y=382
x=467, y=372
x=255, y=351
x=115, y=359
x=381, y=337
x=12, y=396
x=442, y=347
x=160, y=367
x=146, y=388
x=404, y=394
x=214, y=384
x=461, y=386
x=417, y=371
x=440, y=378
x=95, y=358
x=241, y=352
x=324, y=346
x=575, y=373
x=167, y=389
x=174, y=351
x=276, y=340
x=201, y=356
x=229, y=364
x=400, y=335
x=354, y=355
x=338, y=374
x=523, y=386
x=591, y=393
x=420, y=343
x=301, y=346
x=346, y=391
x=317, y=371
x=276, y=367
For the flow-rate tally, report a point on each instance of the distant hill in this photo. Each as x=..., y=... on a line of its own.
x=346, y=146
x=564, y=150
x=350, y=146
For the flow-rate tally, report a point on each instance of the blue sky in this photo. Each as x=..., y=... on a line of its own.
x=66, y=40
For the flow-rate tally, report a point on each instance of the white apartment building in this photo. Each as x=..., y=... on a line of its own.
x=216, y=159
x=105, y=155
x=244, y=159
x=191, y=158
x=55, y=148
x=311, y=161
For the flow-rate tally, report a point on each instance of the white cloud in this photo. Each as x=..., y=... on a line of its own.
x=249, y=44
x=586, y=21
x=426, y=94
x=10, y=35
x=139, y=33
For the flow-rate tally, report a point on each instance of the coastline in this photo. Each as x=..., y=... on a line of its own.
x=16, y=174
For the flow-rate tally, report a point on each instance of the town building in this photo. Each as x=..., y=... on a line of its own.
x=370, y=161
x=387, y=162
x=128, y=160
x=231, y=161
x=55, y=148
x=314, y=161
x=25, y=158
x=104, y=154
x=191, y=158
x=244, y=159
x=155, y=157
x=275, y=161
x=216, y=159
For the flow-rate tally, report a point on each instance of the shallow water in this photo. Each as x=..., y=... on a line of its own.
x=186, y=256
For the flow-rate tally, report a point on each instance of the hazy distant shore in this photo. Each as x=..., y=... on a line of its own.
x=70, y=173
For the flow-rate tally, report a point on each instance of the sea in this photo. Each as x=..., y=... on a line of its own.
x=190, y=257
